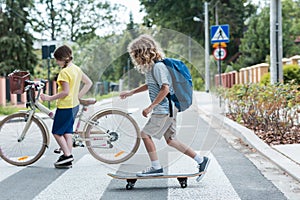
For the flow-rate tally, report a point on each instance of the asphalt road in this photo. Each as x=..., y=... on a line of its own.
x=235, y=172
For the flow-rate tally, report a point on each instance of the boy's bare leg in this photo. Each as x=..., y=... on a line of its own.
x=155, y=169
x=150, y=146
x=181, y=147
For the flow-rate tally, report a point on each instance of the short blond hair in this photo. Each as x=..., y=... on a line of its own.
x=144, y=51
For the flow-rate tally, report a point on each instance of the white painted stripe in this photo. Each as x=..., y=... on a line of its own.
x=7, y=170
x=86, y=180
x=215, y=185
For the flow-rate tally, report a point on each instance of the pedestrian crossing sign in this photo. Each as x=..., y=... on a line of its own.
x=219, y=33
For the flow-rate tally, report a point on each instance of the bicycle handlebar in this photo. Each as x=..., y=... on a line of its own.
x=38, y=85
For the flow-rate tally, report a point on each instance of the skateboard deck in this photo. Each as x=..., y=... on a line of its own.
x=132, y=178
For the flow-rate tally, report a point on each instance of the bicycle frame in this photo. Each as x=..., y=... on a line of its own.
x=78, y=134
x=111, y=135
x=34, y=104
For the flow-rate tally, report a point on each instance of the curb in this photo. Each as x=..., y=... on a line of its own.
x=249, y=137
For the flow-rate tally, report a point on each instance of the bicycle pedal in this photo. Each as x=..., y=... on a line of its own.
x=78, y=144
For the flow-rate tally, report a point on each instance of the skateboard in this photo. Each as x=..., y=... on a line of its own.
x=132, y=178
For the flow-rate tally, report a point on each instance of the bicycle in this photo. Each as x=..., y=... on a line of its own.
x=111, y=135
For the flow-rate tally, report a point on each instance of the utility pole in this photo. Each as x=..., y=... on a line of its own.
x=207, y=79
x=276, y=42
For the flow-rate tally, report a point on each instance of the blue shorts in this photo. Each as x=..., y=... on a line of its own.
x=64, y=120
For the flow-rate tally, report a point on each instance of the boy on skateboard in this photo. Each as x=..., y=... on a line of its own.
x=145, y=52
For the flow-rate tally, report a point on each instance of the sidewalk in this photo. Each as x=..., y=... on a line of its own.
x=287, y=157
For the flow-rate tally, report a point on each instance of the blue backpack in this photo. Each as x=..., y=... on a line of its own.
x=182, y=84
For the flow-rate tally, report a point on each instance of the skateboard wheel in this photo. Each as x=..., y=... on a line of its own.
x=183, y=185
x=183, y=182
x=129, y=186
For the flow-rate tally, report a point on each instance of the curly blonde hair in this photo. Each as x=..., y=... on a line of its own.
x=144, y=51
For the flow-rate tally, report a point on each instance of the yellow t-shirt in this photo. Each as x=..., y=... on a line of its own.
x=71, y=74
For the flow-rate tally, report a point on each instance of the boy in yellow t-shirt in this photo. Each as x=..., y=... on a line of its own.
x=68, y=95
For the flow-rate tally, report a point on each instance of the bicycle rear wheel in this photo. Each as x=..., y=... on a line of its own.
x=17, y=151
x=112, y=136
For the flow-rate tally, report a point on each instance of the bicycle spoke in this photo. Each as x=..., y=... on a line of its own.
x=30, y=148
x=122, y=136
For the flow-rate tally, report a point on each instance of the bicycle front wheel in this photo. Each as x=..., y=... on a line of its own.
x=112, y=136
x=21, y=151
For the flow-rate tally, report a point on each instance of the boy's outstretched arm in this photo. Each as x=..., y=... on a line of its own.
x=125, y=94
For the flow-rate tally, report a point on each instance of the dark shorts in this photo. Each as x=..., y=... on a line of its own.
x=64, y=120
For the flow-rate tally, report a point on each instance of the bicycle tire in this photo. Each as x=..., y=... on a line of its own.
x=124, y=132
x=30, y=149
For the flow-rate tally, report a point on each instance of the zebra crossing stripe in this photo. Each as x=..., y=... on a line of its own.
x=86, y=180
x=214, y=185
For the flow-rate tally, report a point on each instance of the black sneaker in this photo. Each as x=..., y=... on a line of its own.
x=58, y=150
x=64, y=159
x=202, y=167
x=64, y=166
x=151, y=172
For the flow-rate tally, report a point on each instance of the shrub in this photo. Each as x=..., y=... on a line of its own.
x=272, y=111
x=265, y=79
x=291, y=73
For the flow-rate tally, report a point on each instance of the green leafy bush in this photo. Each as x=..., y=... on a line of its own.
x=272, y=111
x=265, y=79
x=291, y=74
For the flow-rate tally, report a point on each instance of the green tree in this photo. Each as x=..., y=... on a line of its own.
x=235, y=13
x=256, y=42
x=178, y=15
x=255, y=46
x=291, y=27
x=72, y=20
x=16, y=42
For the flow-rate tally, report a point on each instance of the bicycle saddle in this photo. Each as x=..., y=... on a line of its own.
x=87, y=102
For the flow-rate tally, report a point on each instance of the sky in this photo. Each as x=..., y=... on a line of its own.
x=131, y=5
